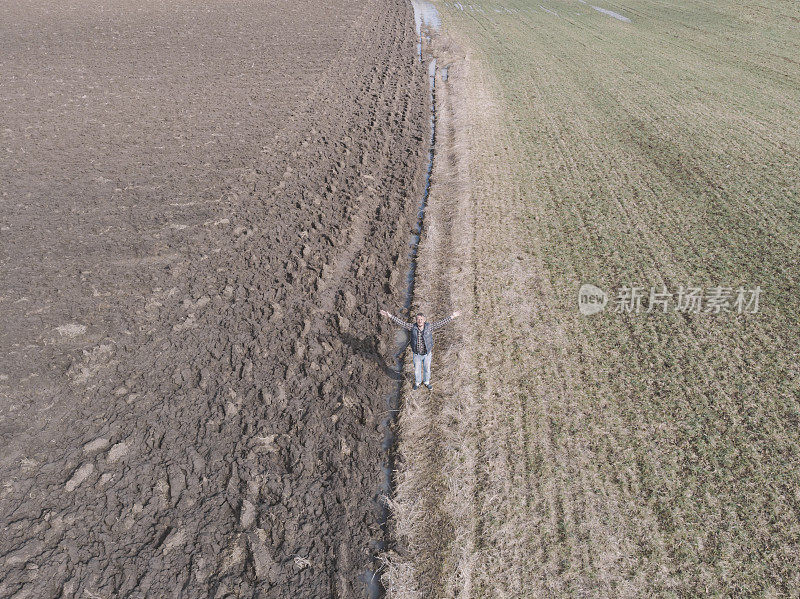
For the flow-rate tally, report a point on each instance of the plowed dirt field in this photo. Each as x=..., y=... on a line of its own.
x=203, y=206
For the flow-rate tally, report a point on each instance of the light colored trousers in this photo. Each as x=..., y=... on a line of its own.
x=422, y=363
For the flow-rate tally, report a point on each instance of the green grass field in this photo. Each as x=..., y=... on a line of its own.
x=621, y=454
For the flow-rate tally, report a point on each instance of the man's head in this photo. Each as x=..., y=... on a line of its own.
x=420, y=319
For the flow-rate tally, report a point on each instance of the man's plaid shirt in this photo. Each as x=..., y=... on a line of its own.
x=412, y=326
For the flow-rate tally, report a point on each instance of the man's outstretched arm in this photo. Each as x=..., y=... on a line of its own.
x=440, y=323
x=397, y=321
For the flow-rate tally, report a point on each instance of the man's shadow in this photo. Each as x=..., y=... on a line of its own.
x=368, y=348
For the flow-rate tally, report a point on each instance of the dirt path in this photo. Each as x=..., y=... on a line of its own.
x=193, y=400
x=424, y=515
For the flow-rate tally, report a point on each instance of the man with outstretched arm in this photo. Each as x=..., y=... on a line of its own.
x=421, y=343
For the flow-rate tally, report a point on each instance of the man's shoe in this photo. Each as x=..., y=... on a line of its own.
x=414, y=386
x=429, y=386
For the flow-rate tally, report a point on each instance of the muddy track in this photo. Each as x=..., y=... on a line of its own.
x=220, y=433
x=437, y=464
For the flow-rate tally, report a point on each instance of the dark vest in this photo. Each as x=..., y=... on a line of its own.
x=427, y=337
